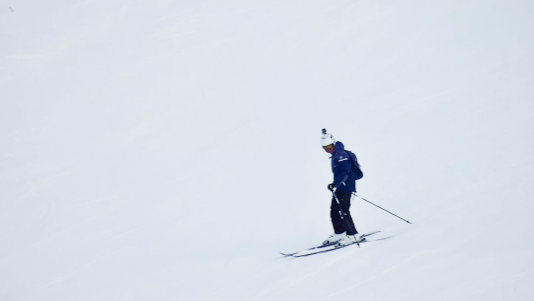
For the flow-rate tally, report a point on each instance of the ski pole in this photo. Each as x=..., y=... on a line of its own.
x=342, y=214
x=382, y=209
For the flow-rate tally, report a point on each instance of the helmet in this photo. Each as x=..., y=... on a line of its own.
x=328, y=141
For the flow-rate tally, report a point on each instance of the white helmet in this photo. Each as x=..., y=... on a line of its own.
x=327, y=139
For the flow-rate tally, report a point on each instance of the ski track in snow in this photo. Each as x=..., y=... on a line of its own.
x=79, y=270
x=494, y=285
x=347, y=289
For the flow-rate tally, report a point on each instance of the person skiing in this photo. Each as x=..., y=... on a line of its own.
x=343, y=186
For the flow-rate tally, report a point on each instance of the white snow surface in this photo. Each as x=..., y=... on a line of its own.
x=169, y=150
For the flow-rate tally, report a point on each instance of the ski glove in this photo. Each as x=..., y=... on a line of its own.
x=332, y=188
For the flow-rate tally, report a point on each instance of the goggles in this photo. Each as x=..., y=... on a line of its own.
x=328, y=147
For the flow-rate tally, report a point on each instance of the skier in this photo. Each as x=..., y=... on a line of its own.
x=343, y=186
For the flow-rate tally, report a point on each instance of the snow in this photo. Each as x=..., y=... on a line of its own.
x=169, y=150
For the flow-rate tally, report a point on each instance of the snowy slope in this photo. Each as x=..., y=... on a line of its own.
x=168, y=150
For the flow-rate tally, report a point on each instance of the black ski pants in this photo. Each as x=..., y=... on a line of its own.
x=341, y=219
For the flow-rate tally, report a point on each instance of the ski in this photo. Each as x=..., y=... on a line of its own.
x=324, y=248
x=335, y=247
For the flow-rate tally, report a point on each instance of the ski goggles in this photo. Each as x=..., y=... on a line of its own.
x=328, y=147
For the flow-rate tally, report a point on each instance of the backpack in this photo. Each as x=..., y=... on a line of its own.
x=356, y=170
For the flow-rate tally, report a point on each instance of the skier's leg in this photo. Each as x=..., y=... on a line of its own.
x=348, y=223
x=337, y=222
